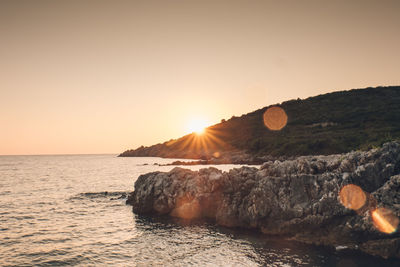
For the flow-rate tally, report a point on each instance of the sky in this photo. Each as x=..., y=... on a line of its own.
x=106, y=76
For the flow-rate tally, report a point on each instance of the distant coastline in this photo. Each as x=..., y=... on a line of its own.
x=338, y=122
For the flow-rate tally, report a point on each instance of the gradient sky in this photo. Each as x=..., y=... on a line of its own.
x=105, y=76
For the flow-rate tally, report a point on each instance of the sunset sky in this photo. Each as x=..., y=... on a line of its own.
x=106, y=76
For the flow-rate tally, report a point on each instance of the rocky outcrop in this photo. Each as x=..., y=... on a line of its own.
x=201, y=156
x=297, y=199
x=238, y=158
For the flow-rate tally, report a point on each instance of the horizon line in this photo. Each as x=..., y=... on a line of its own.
x=60, y=154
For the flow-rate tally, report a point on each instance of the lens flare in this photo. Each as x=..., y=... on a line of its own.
x=384, y=220
x=216, y=154
x=275, y=118
x=352, y=197
x=187, y=208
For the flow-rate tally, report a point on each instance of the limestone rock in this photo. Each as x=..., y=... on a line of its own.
x=297, y=198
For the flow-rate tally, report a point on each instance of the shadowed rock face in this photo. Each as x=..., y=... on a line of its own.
x=296, y=198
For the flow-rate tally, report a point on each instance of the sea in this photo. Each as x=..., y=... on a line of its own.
x=69, y=210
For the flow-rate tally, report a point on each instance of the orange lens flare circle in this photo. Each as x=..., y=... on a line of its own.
x=186, y=208
x=216, y=154
x=385, y=220
x=275, y=118
x=352, y=197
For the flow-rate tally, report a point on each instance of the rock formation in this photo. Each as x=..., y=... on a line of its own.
x=297, y=199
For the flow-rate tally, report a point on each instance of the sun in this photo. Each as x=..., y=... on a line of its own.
x=197, y=126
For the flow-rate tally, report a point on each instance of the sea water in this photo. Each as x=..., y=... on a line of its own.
x=66, y=210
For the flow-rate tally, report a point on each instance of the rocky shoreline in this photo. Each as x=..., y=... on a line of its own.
x=252, y=161
x=300, y=199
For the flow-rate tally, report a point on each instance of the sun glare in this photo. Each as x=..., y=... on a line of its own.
x=196, y=126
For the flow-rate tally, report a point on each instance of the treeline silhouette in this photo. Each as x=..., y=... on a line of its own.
x=331, y=123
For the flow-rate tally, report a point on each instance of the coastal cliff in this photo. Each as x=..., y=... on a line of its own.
x=301, y=199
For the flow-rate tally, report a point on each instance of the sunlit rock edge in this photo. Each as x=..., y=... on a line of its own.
x=296, y=199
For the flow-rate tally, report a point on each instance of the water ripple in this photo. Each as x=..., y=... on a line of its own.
x=70, y=211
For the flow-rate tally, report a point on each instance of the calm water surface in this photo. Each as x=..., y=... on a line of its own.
x=54, y=212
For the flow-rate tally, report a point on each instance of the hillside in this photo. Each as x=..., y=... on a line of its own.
x=332, y=123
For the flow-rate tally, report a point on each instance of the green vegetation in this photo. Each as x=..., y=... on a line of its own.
x=325, y=124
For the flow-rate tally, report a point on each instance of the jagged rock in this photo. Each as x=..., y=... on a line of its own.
x=295, y=198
